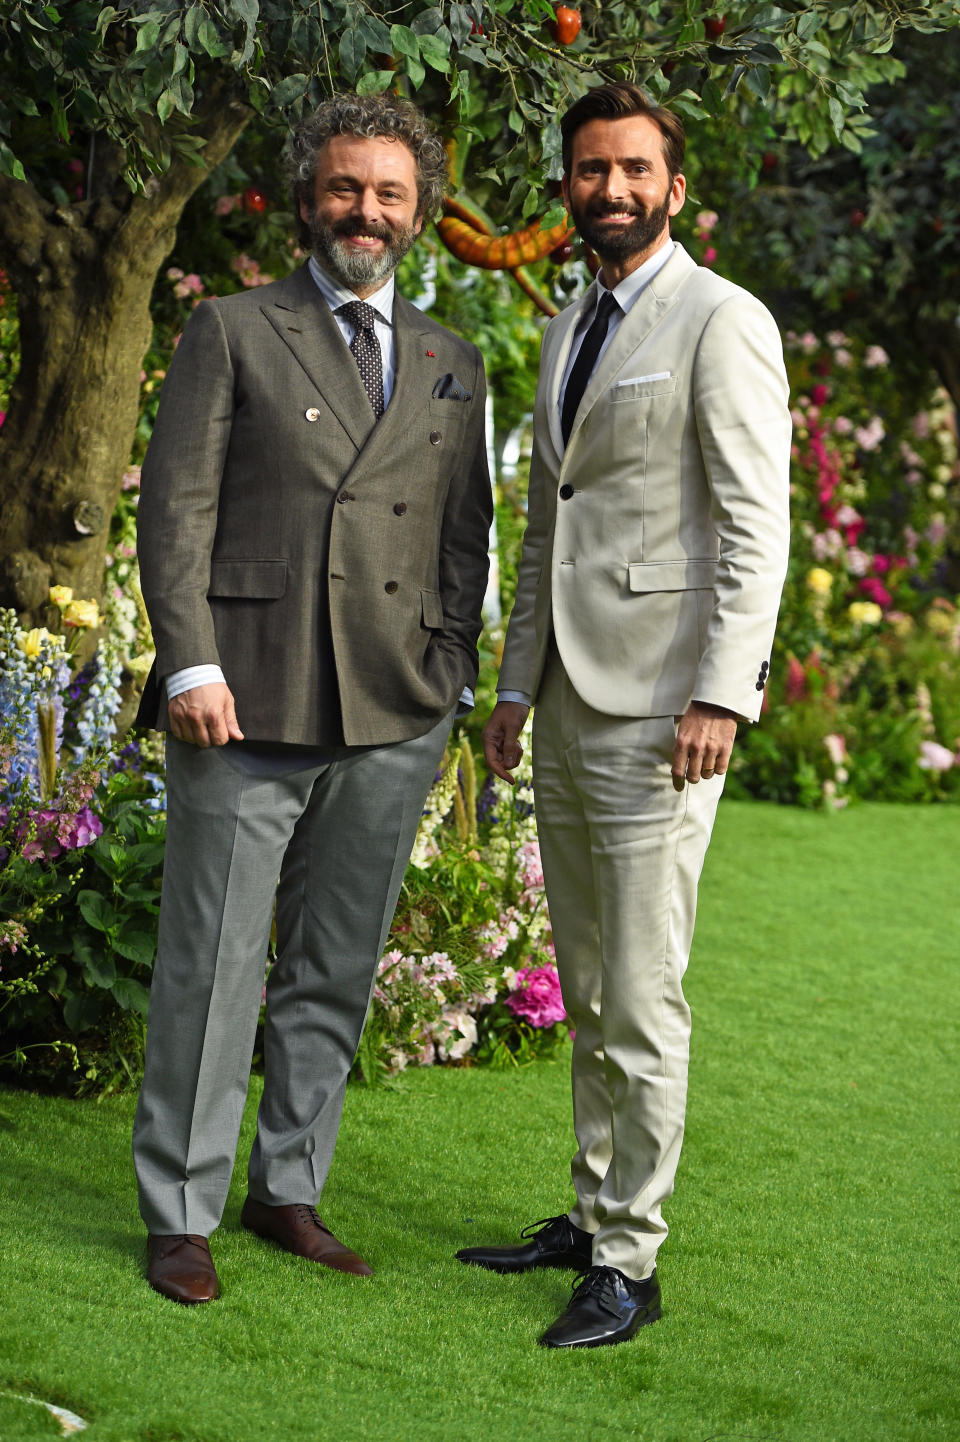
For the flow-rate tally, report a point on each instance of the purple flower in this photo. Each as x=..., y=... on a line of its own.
x=537, y=997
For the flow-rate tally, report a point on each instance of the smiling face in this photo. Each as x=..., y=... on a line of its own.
x=364, y=214
x=620, y=193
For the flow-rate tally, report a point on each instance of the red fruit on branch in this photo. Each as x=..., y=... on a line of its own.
x=476, y=29
x=769, y=161
x=562, y=253
x=715, y=25
x=566, y=27
x=857, y=217
x=936, y=225
x=254, y=201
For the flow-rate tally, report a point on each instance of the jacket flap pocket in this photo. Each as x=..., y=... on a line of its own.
x=672, y=575
x=432, y=610
x=638, y=390
x=255, y=580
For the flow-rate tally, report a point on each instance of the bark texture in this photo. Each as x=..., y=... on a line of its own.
x=83, y=276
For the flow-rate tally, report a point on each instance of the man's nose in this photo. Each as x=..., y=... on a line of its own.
x=367, y=207
x=615, y=184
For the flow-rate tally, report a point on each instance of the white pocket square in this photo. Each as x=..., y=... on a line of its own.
x=637, y=380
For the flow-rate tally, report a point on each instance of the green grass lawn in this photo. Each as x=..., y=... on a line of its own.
x=810, y=1274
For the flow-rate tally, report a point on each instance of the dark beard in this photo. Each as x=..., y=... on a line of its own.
x=627, y=240
x=359, y=269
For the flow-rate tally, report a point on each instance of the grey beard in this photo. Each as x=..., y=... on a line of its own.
x=358, y=268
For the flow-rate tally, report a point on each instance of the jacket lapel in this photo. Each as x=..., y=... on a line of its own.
x=648, y=310
x=304, y=322
x=565, y=327
x=413, y=376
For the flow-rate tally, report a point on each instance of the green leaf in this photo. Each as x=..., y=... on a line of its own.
x=131, y=994
x=148, y=35
x=166, y=104
x=758, y=80
x=353, y=48
x=808, y=24
x=138, y=946
x=290, y=88
x=415, y=70
x=191, y=25
x=106, y=16
x=836, y=116
x=404, y=41
x=436, y=52
x=81, y=1011
x=374, y=81
x=100, y=969
x=97, y=911
x=210, y=40
x=712, y=98
x=556, y=215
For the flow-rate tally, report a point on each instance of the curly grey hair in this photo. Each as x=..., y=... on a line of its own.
x=367, y=116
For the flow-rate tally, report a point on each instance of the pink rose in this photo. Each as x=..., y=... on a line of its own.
x=875, y=590
x=537, y=998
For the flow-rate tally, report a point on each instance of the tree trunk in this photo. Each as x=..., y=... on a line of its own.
x=83, y=276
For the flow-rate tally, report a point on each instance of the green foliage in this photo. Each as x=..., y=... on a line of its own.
x=92, y=921
x=143, y=76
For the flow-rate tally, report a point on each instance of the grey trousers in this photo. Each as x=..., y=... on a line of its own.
x=622, y=853
x=338, y=834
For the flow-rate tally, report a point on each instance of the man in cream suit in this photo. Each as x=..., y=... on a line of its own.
x=313, y=548
x=646, y=602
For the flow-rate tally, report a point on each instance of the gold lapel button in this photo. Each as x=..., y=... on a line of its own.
x=312, y=414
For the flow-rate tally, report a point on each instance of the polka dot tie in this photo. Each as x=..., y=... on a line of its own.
x=366, y=350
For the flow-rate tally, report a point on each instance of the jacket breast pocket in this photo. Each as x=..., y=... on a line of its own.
x=642, y=388
x=253, y=580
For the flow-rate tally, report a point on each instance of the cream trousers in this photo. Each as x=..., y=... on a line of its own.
x=622, y=855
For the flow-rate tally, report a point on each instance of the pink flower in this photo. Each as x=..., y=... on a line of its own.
x=537, y=998
x=868, y=437
x=934, y=757
x=875, y=356
x=709, y=255
x=189, y=285
x=808, y=343
x=875, y=590
x=796, y=682
x=843, y=357
x=226, y=203
x=820, y=394
x=842, y=425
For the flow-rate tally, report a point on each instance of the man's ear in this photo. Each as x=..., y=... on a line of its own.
x=305, y=213
x=418, y=225
x=678, y=194
x=565, y=189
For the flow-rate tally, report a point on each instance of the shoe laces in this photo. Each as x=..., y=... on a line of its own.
x=600, y=1283
x=309, y=1214
x=535, y=1228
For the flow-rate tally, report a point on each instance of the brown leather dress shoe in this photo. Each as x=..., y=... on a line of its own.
x=181, y=1268
x=298, y=1229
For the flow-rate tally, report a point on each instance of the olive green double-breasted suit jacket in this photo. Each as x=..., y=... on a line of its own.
x=332, y=566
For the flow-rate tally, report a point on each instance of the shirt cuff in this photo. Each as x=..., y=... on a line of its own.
x=190, y=676
x=466, y=703
x=520, y=697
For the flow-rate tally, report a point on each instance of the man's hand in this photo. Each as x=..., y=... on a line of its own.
x=205, y=716
x=705, y=739
x=501, y=746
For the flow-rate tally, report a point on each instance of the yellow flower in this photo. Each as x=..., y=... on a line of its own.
x=61, y=595
x=31, y=642
x=84, y=614
x=865, y=613
x=819, y=580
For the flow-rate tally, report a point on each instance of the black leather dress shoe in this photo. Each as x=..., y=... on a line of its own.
x=606, y=1307
x=558, y=1243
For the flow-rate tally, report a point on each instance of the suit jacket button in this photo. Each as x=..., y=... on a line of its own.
x=435, y=438
x=390, y=587
x=566, y=491
x=312, y=414
x=759, y=685
x=344, y=496
x=400, y=509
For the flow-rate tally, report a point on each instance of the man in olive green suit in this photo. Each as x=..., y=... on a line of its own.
x=646, y=603
x=313, y=547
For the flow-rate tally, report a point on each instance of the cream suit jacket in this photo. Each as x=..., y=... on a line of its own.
x=657, y=540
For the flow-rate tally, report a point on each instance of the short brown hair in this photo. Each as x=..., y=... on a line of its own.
x=617, y=101
x=369, y=117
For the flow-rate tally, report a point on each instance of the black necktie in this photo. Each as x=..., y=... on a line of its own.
x=366, y=350
x=584, y=364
